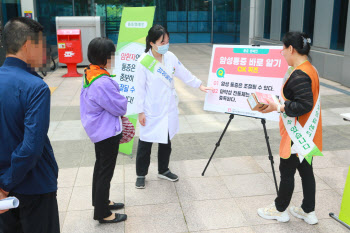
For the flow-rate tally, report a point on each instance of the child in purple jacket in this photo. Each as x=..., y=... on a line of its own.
x=101, y=108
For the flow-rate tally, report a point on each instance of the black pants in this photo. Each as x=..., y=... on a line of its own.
x=106, y=158
x=287, y=170
x=35, y=214
x=143, y=157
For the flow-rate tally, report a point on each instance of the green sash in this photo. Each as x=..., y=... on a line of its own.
x=160, y=71
x=302, y=137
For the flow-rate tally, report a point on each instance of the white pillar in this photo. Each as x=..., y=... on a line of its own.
x=252, y=22
x=28, y=6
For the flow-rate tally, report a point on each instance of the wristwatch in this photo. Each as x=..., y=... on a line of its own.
x=279, y=108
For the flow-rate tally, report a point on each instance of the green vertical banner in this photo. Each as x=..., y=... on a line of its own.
x=344, y=214
x=134, y=26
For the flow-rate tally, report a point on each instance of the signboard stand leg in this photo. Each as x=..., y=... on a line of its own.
x=263, y=122
x=218, y=143
x=338, y=220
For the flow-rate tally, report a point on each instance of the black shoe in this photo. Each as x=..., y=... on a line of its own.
x=168, y=176
x=118, y=218
x=116, y=206
x=140, y=183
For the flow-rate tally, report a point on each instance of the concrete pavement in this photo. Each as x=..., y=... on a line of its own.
x=237, y=183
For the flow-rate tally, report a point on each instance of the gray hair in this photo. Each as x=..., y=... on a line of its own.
x=17, y=31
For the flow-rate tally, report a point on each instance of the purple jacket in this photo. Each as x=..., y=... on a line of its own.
x=101, y=106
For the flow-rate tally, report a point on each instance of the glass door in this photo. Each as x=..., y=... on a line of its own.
x=111, y=12
x=10, y=9
x=199, y=21
x=226, y=21
x=176, y=20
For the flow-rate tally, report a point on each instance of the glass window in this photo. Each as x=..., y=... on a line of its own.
x=340, y=13
x=10, y=9
x=227, y=20
x=267, y=19
x=46, y=14
x=100, y=10
x=83, y=7
x=47, y=10
x=176, y=20
x=188, y=21
x=199, y=21
x=285, y=17
x=62, y=7
x=111, y=13
x=309, y=18
x=160, y=16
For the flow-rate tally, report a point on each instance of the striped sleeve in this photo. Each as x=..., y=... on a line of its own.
x=301, y=98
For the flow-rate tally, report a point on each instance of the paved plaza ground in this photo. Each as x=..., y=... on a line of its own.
x=238, y=181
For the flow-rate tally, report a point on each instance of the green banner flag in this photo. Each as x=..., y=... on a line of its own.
x=134, y=26
x=344, y=214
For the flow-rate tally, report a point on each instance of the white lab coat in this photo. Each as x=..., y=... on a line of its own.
x=157, y=100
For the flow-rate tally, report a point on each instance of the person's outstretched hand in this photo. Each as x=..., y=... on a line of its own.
x=3, y=195
x=270, y=108
x=142, y=118
x=205, y=89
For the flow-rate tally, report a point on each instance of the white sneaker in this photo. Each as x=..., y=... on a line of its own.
x=298, y=212
x=270, y=212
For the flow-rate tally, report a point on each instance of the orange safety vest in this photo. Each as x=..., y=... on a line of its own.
x=286, y=142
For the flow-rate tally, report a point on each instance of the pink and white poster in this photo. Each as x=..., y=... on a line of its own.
x=236, y=71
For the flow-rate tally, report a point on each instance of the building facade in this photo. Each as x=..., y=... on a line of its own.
x=325, y=21
x=188, y=21
x=261, y=22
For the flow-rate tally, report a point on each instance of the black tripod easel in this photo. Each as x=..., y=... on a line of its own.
x=263, y=122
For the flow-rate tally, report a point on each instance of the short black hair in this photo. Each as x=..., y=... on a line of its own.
x=18, y=30
x=100, y=50
x=154, y=34
x=299, y=41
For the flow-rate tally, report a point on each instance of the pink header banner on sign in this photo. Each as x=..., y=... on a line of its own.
x=261, y=65
x=237, y=71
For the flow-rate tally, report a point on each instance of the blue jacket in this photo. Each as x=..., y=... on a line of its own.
x=27, y=162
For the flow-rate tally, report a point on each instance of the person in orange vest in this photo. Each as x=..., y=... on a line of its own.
x=300, y=129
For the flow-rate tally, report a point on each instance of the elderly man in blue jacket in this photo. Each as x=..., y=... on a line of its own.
x=28, y=169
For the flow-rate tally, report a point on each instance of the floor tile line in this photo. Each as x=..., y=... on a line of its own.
x=246, y=220
x=124, y=183
x=331, y=188
x=161, y=203
x=53, y=130
x=183, y=213
x=70, y=198
x=226, y=228
x=78, y=89
x=335, y=88
x=242, y=174
x=128, y=182
x=167, y=203
x=81, y=161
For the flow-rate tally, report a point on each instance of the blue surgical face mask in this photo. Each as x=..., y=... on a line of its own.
x=163, y=49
